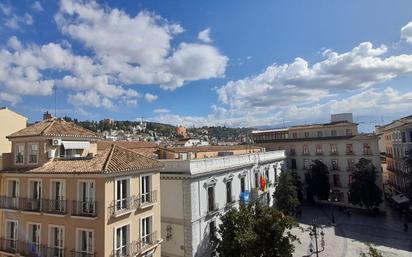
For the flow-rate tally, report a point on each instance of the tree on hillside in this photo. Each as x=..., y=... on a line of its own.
x=286, y=194
x=363, y=190
x=319, y=180
x=255, y=231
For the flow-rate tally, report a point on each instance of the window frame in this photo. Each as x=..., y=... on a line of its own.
x=29, y=153
x=124, y=200
x=78, y=234
x=16, y=147
x=50, y=237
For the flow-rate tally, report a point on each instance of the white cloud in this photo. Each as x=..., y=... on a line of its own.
x=14, y=43
x=161, y=110
x=15, y=21
x=204, y=36
x=36, y=6
x=138, y=48
x=10, y=98
x=90, y=98
x=406, y=32
x=6, y=9
x=150, y=97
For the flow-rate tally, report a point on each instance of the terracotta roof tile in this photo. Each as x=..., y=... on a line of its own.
x=116, y=159
x=102, y=145
x=55, y=127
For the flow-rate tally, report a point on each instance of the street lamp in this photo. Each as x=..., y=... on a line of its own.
x=314, y=236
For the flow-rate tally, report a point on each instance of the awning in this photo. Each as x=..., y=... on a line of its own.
x=399, y=199
x=76, y=144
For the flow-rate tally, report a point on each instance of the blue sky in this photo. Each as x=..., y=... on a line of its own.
x=233, y=63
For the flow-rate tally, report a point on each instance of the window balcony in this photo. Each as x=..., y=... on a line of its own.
x=147, y=242
x=10, y=203
x=212, y=209
x=122, y=206
x=334, y=153
x=350, y=153
x=231, y=201
x=84, y=209
x=29, y=204
x=147, y=199
x=55, y=206
x=28, y=249
x=75, y=253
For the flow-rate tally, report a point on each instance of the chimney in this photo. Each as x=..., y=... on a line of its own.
x=47, y=115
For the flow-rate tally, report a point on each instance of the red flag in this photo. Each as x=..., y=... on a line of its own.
x=262, y=183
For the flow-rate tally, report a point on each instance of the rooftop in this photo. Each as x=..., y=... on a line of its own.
x=209, y=148
x=54, y=128
x=316, y=125
x=115, y=159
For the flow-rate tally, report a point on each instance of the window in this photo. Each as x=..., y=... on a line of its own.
x=320, y=134
x=85, y=241
x=333, y=149
x=306, y=134
x=349, y=149
x=34, y=237
x=57, y=195
x=351, y=164
x=13, y=188
x=33, y=153
x=35, y=195
x=56, y=241
x=403, y=136
x=294, y=135
x=211, y=198
x=256, y=176
x=333, y=133
x=146, y=188
x=319, y=149
x=229, y=192
x=367, y=149
x=292, y=150
x=212, y=230
x=306, y=164
x=242, y=184
x=19, y=154
x=336, y=180
x=294, y=167
x=86, y=203
x=122, y=194
x=122, y=241
x=349, y=132
x=147, y=237
x=335, y=165
x=305, y=150
x=11, y=234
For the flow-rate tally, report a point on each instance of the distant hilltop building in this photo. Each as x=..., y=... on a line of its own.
x=181, y=131
x=109, y=122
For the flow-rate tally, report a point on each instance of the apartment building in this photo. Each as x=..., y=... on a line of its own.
x=200, y=152
x=337, y=144
x=61, y=197
x=196, y=192
x=397, y=139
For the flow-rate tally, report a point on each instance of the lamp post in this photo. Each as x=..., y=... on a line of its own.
x=314, y=236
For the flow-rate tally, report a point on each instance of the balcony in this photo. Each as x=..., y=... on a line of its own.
x=334, y=153
x=75, y=253
x=147, y=199
x=136, y=247
x=350, y=153
x=10, y=203
x=55, y=206
x=84, y=209
x=30, y=204
x=28, y=249
x=147, y=242
x=122, y=206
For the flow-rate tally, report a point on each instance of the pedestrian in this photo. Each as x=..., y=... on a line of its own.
x=348, y=213
x=405, y=227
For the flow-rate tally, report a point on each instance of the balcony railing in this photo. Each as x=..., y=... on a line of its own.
x=121, y=206
x=137, y=247
x=350, y=153
x=30, y=204
x=55, y=206
x=84, y=208
x=11, y=203
x=147, y=241
x=147, y=199
x=28, y=249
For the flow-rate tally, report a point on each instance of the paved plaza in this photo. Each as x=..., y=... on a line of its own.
x=349, y=236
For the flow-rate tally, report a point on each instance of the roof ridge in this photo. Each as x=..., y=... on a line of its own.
x=109, y=157
x=48, y=127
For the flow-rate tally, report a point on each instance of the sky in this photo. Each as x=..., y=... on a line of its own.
x=228, y=63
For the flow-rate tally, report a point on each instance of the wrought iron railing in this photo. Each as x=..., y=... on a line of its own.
x=11, y=203
x=54, y=206
x=84, y=208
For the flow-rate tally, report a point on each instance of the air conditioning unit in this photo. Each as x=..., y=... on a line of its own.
x=56, y=142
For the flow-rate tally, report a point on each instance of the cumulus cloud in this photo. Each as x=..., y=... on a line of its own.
x=204, y=36
x=150, y=97
x=36, y=6
x=138, y=48
x=406, y=32
x=161, y=110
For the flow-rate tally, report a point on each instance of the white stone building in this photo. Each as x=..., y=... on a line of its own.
x=195, y=192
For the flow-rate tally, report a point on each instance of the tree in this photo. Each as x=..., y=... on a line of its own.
x=373, y=252
x=255, y=230
x=298, y=184
x=319, y=180
x=363, y=190
x=286, y=194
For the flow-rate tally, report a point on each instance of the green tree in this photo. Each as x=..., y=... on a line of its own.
x=255, y=231
x=319, y=180
x=286, y=194
x=372, y=252
x=363, y=190
x=298, y=184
